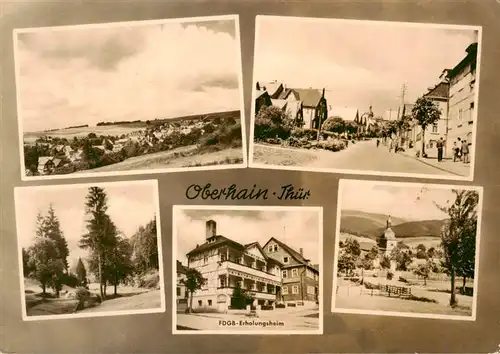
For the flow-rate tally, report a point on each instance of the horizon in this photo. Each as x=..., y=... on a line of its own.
x=68, y=205
x=406, y=220
x=364, y=72
x=259, y=226
x=87, y=75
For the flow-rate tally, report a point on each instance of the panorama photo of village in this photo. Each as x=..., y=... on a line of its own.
x=247, y=270
x=403, y=105
x=407, y=249
x=130, y=97
x=83, y=254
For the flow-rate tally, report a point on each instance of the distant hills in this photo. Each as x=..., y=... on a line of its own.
x=372, y=225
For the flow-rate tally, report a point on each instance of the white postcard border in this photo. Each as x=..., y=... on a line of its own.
x=140, y=23
x=178, y=208
x=162, y=307
x=334, y=309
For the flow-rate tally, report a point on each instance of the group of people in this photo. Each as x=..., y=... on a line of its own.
x=460, y=150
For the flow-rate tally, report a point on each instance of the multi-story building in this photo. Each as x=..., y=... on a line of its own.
x=462, y=81
x=263, y=275
x=181, y=294
x=300, y=278
x=226, y=264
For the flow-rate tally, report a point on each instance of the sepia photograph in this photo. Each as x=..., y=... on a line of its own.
x=130, y=98
x=329, y=98
x=247, y=270
x=407, y=249
x=88, y=250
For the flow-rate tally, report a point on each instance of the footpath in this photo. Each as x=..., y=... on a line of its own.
x=457, y=168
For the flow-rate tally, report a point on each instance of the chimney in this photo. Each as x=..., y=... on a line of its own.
x=211, y=229
x=301, y=252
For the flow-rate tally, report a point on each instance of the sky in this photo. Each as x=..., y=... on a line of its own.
x=129, y=206
x=298, y=229
x=80, y=76
x=411, y=202
x=359, y=63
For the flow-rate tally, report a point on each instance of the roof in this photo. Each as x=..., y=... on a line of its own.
x=44, y=159
x=470, y=58
x=441, y=90
x=309, y=97
x=296, y=255
x=181, y=268
x=279, y=103
x=293, y=107
x=285, y=93
x=220, y=240
x=272, y=88
x=389, y=234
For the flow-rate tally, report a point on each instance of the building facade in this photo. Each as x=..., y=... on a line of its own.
x=227, y=265
x=462, y=94
x=300, y=279
x=181, y=291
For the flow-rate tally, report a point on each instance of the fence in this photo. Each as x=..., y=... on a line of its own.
x=400, y=291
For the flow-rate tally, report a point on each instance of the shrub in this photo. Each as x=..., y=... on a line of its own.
x=149, y=280
x=280, y=306
x=309, y=134
x=272, y=122
x=70, y=280
x=267, y=307
x=205, y=309
x=291, y=304
x=390, y=275
x=331, y=145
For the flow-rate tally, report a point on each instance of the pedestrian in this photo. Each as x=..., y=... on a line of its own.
x=465, y=151
x=390, y=145
x=456, y=151
x=378, y=142
x=396, y=146
x=440, y=145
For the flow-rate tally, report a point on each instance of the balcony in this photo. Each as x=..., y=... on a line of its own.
x=255, y=294
x=251, y=271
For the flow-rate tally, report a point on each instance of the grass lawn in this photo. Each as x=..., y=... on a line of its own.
x=272, y=155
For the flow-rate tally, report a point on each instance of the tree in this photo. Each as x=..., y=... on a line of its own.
x=334, y=124
x=240, y=298
x=272, y=122
x=346, y=262
x=424, y=270
x=431, y=252
x=426, y=113
x=421, y=252
x=401, y=256
x=458, y=237
x=47, y=267
x=81, y=272
x=27, y=266
x=145, y=247
x=50, y=227
x=194, y=281
x=101, y=232
x=352, y=247
x=385, y=263
x=119, y=263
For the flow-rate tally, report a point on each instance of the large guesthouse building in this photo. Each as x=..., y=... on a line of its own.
x=270, y=275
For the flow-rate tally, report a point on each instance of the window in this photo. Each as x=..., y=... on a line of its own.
x=209, y=302
x=310, y=290
x=285, y=273
x=200, y=303
x=295, y=289
x=178, y=291
x=275, y=248
x=205, y=259
x=285, y=260
x=435, y=128
x=222, y=282
x=294, y=273
x=270, y=248
x=284, y=290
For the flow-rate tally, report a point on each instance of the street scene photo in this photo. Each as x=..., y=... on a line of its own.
x=247, y=270
x=89, y=250
x=407, y=249
x=131, y=97
x=329, y=98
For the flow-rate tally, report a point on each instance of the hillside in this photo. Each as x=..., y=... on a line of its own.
x=363, y=223
x=423, y=228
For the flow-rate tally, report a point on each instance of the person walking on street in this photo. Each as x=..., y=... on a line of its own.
x=440, y=145
x=465, y=151
x=456, y=151
x=378, y=142
x=390, y=145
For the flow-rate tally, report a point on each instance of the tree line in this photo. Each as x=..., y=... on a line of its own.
x=457, y=253
x=113, y=258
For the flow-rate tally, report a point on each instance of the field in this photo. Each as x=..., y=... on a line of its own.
x=266, y=154
x=128, y=298
x=174, y=158
x=70, y=133
x=350, y=296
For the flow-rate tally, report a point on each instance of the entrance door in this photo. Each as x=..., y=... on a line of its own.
x=222, y=303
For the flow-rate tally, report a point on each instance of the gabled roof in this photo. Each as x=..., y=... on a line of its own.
x=285, y=93
x=279, y=103
x=309, y=97
x=219, y=241
x=296, y=255
x=44, y=159
x=181, y=268
x=257, y=245
x=470, y=58
x=439, y=91
x=272, y=88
